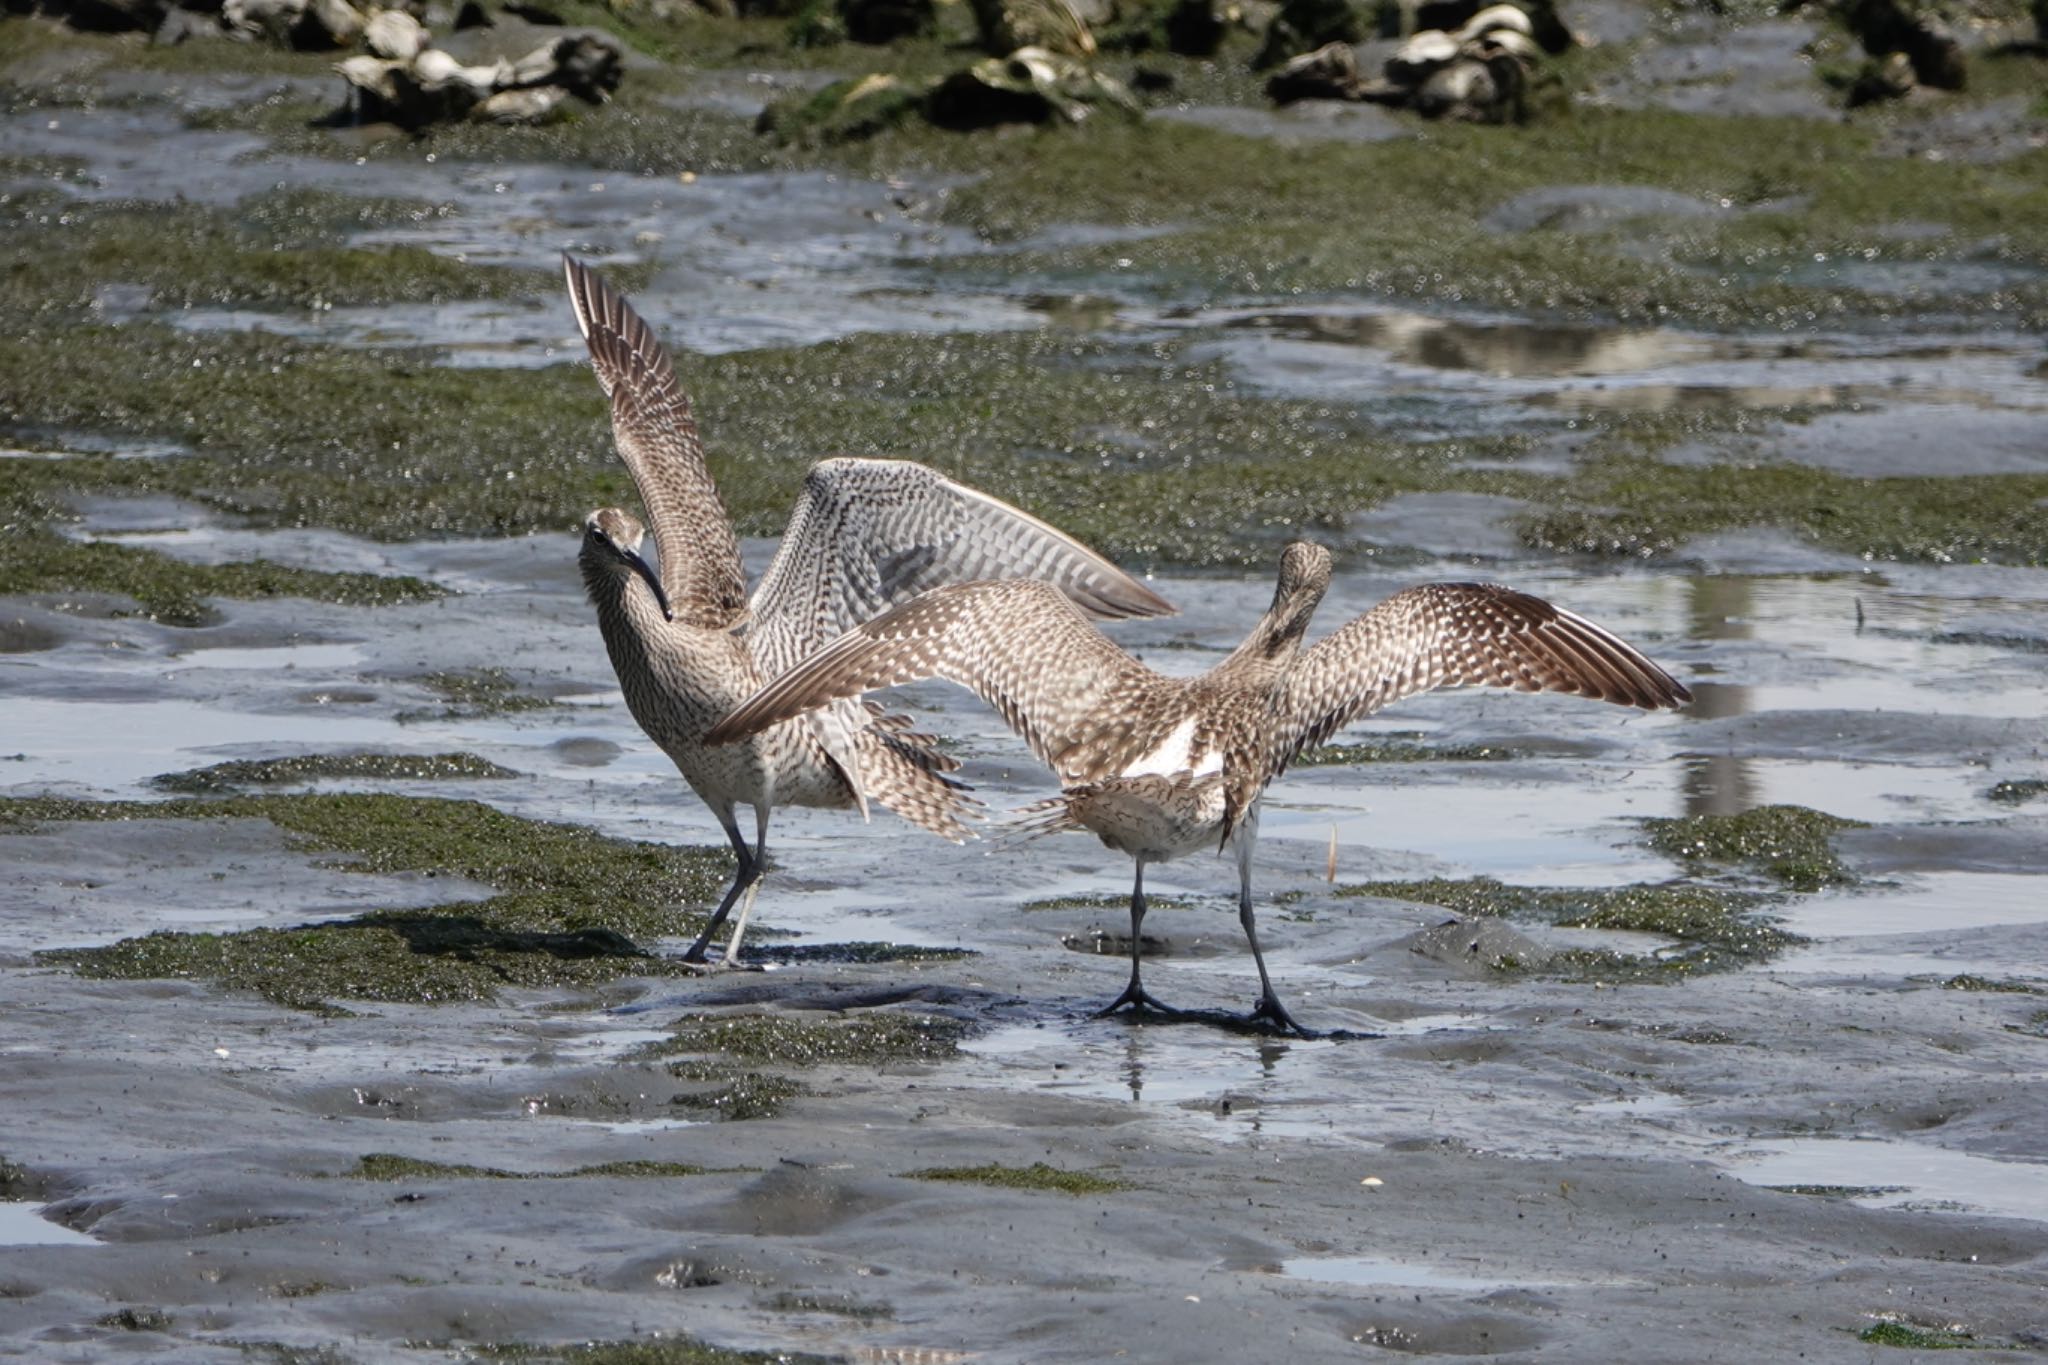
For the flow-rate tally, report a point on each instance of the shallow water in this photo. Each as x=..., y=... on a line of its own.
x=1896, y=1174
x=23, y=1223
x=1547, y=1148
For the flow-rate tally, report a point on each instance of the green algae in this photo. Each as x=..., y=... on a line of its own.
x=1792, y=845
x=655, y=1351
x=389, y=1166
x=736, y=1096
x=838, y=1306
x=1095, y=902
x=1036, y=1176
x=1968, y=981
x=1917, y=1337
x=176, y=593
x=232, y=776
x=1835, y=1191
x=1634, y=505
x=2018, y=791
x=486, y=692
x=285, y=248
x=807, y=1040
x=1404, y=746
x=569, y=898
x=1716, y=928
x=136, y=1318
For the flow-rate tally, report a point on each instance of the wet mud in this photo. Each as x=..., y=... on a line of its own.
x=337, y=927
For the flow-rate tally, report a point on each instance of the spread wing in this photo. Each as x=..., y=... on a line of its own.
x=1023, y=646
x=657, y=438
x=1460, y=635
x=869, y=534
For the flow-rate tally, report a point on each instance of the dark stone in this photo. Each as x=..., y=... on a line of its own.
x=1305, y=25
x=471, y=15
x=1328, y=73
x=884, y=21
x=1195, y=28
x=531, y=13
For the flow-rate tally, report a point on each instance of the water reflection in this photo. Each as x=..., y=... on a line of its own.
x=1719, y=608
x=1515, y=350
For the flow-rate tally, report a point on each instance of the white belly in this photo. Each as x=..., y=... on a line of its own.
x=1151, y=817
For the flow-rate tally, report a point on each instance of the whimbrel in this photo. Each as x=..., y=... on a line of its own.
x=1159, y=767
x=688, y=644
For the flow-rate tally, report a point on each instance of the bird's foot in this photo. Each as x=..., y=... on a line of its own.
x=1269, y=1010
x=1140, y=1002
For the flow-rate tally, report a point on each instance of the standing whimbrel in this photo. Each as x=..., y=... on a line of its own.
x=688, y=644
x=1159, y=767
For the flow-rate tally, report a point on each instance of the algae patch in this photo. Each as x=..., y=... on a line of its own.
x=487, y=692
x=868, y=1039
x=1037, y=1176
x=2018, y=791
x=1404, y=746
x=174, y=592
x=653, y=1351
x=1715, y=928
x=569, y=898
x=222, y=778
x=1792, y=845
x=734, y=1095
x=389, y=1166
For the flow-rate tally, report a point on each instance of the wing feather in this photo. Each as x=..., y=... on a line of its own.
x=1461, y=635
x=868, y=534
x=1083, y=705
x=657, y=438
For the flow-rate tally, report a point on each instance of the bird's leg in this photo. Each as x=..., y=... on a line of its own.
x=754, y=874
x=1269, y=1007
x=1135, y=995
x=745, y=876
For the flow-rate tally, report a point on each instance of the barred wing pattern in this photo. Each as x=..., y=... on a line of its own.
x=1460, y=635
x=657, y=438
x=1083, y=705
x=869, y=534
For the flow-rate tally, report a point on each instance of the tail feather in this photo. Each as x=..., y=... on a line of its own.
x=911, y=780
x=1027, y=824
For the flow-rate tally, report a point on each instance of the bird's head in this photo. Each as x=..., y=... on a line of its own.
x=611, y=547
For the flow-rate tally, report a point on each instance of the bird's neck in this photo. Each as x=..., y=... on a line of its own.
x=1270, y=649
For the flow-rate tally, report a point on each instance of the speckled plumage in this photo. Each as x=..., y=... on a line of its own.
x=1158, y=767
x=688, y=645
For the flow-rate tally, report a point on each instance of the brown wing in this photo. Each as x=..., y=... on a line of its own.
x=657, y=438
x=1083, y=705
x=869, y=534
x=1461, y=635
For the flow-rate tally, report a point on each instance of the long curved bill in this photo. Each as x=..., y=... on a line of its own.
x=660, y=598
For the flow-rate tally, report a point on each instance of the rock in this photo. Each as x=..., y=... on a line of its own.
x=1887, y=26
x=1050, y=25
x=884, y=21
x=1305, y=25
x=532, y=105
x=434, y=86
x=1479, y=87
x=1031, y=85
x=180, y=24
x=1882, y=78
x=1195, y=28
x=326, y=25
x=1421, y=57
x=269, y=20
x=391, y=34
x=1328, y=73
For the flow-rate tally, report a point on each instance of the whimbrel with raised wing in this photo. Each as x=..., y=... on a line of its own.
x=688, y=644
x=1159, y=767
